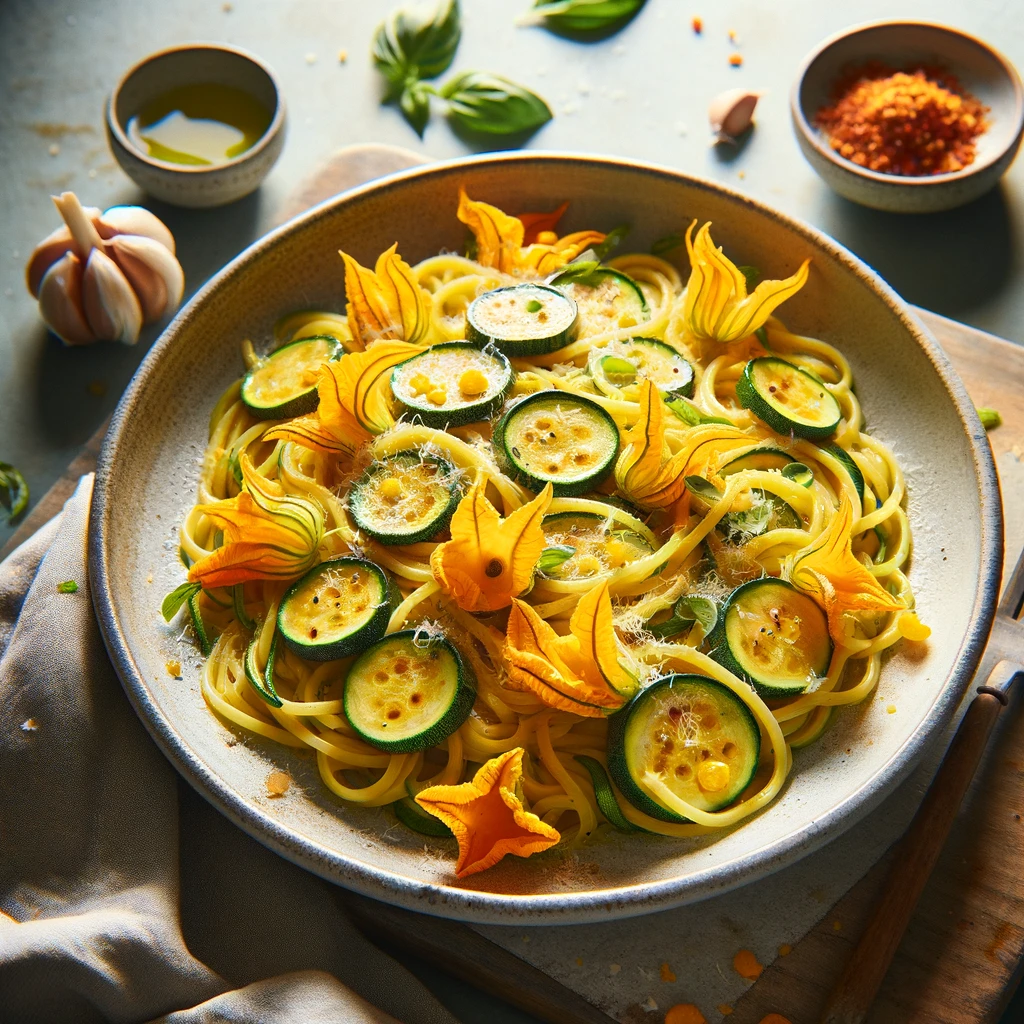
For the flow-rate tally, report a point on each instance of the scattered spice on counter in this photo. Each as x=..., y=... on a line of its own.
x=278, y=783
x=746, y=965
x=912, y=123
x=785, y=949
x=667, y=974
x=736, y=60
x=684, y=1013
x=698, y=25
x=837, y=926
x=614, y=968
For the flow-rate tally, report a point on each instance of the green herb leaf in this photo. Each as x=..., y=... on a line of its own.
x=990, y=418
x=578, y=270
x=415, y=105
x=13, y=491
x=418, y=41
x=553, y=557
x=488, y=104
x=611, y=241
x=690, y=414
x=752, y=274
x=605, y=795
x=583, y=15
x=176, y=598
x=695, y=608
x=703, y=489
x=798, y=473
x=67, y=587
x=666, y=244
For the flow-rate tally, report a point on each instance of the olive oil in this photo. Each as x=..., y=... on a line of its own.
x=199, y=125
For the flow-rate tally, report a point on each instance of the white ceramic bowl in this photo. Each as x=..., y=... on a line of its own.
x=904, y=45
x=912, y=399
x=199, y=63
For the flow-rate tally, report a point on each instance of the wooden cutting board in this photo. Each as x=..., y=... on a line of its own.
x=964, y=951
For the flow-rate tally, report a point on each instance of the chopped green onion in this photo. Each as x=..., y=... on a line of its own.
x=67, y=587
x=533, y=306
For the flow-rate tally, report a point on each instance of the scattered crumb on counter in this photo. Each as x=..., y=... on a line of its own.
x=310, y=58
x=149, y=578
x=697, y=24
x=526, y=938
x=785, y=949
x=278, y=783
x=92, y=172
x=54, y=150
x=649, y=1004
x=614, y=968
x=891, y=709
x=227, y=8
x=174, y=668
x=725, y=1009
x=684, y=1013
x=732, y=35
x=579, y=961
x=342, y=56
x=736, y=60
x=837, y=925
x=746, y=965
x=666, y=973
x=741, y=175
x=30, y=725
x=774, y=1018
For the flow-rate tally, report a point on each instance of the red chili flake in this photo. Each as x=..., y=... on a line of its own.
x=698, y=24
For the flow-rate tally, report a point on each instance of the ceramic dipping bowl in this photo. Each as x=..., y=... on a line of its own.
x=906, y=45
x=199, y=63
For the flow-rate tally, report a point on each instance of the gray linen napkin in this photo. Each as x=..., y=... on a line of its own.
x=123, y=895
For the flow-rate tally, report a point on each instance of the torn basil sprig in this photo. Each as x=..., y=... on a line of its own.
x=13, y=491
x=417, y=43
x=582, y=15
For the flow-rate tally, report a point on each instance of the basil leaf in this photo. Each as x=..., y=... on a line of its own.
x=990, y=418
x=487, y=104
x=666, y=244
x=553, y=557
x=176, y=598
x=13, y=491
x=752, y=274
x=418, y=41
x=694, y=608
x=586, y=15
x=415, y=105
x=611, y=241
x=690, y=414
x=798, y=473
x=578, y=270
x=704, y=489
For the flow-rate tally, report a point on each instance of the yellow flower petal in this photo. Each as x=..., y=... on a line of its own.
x=487, y=816
x=490, y=560
x=387, y=302
x=832, y=574
x=716, y=304
x=592, y=626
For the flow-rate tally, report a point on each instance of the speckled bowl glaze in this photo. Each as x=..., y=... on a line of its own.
x=912, y=399
x=184, y=65
x=905, y=44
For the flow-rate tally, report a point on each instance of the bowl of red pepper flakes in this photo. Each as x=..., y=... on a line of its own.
x=909, y=117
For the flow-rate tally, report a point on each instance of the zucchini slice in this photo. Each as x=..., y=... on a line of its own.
x=788, y=399
x=851, y=467
x=774, y=637
x=408, y=692
x=523, y=320
x=413, y=817
x=605, y=795
x=622, y=364
x=553, y=437
x=695, y=734
x=760, y=459
x=453, y=384
x=607, y=299
x=599, y=545
x=338, y=608
x=405, y=498
x=284, y=384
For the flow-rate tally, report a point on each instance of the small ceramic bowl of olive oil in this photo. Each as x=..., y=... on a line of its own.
x=198, y=125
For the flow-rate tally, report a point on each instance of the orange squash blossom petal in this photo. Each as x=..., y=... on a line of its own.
x=487, y=816
x=386, y=302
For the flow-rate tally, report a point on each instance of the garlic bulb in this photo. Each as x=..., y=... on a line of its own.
x=103, y=275
x=731, y=113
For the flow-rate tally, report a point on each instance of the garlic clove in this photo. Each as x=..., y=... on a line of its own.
x=135, y=220
x=60, y=301
x=45, y=254
x=153, y=272
x=110, y=305
x=732, y=112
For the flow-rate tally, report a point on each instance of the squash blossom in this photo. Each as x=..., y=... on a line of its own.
x=355, y=401
x=831, y=573
x=487, y=816
x=268, y=534
x=490, y=560
x=386, y=302
x=579, y=672
x=500, y=240
x=716, y=304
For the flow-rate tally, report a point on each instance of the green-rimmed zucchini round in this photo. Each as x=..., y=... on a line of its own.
x=336, y=609
x=759, y=459
x=846, y=459
x=453, y=384
x=407, y=692
x=553, y=437
x=523, y=320
x=599, y=544
x=774, y=637
x=405, y=498
x=788, y=399
x=608, y=300
x=694, y=734
x=626, y=363
x=284, y=384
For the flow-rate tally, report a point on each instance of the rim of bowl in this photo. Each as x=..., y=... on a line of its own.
x=272, y=129
x=628, y=900
x=815, y=138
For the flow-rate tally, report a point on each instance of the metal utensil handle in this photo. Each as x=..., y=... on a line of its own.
x=919, y=849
